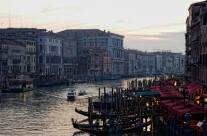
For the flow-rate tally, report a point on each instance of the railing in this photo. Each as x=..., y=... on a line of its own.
x=29, y=52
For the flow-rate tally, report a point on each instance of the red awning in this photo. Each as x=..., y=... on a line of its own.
x=194, y=87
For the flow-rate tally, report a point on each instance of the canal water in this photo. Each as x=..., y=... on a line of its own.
x=47, y=112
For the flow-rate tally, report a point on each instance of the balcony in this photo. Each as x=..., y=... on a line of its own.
x=16, y=60
x=29, y=52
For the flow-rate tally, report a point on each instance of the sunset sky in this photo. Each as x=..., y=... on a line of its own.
x=147, y=25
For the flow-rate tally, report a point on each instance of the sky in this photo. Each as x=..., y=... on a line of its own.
x=148, y=25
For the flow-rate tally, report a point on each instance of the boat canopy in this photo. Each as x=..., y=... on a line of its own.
x=71, y=90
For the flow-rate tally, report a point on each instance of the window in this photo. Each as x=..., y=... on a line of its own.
x=53, y=49
x=47, y=60
x=40, y=47
x=28, y=58
x=40, y=59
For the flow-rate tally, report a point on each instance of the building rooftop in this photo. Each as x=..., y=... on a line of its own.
x=85, y=33
x=10, y=42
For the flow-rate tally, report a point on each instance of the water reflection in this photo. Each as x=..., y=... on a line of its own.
x=46, y=111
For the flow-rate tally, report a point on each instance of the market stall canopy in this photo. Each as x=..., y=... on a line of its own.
x=177, y=109
x=167, y=92
x=171, y=81
x=193, y=87
x=148, y=94
x=178, y=75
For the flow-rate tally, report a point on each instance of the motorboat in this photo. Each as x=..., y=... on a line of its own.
x=82, y=93
x=71, y=94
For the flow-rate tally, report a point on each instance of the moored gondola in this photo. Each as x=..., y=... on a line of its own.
x=85, y=113
x=98, y=130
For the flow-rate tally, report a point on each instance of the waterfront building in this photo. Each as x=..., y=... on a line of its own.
x=13, y=57
x=97, y=38
x=13, y=32
x=69, y=58
x=93, y=63
x=49, y=58
x=195, y=36
x=148, y=64
x=107, y=66
x=203, y=50
x=30, y=51
x=195, y=43
x=158, y=63
x=132, y=63
x=48, y=49
x=169, y=62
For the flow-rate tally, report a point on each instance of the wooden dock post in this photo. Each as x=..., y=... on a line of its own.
x=90, y=111
x=99, y=97
x=104, y=95
x=111, y=124
x=112, y=95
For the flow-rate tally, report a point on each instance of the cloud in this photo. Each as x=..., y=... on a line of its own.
x=165, y=25
x=160, y=36
x=49, y=9
x=121, y=21
x=174, y=41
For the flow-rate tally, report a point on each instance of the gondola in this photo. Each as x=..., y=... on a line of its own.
x=100, y=130
x=85, y=113
x=96, y=115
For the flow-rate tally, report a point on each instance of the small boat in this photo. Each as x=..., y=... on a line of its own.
x=71, y=94
x=20, y=85
x=82, y=93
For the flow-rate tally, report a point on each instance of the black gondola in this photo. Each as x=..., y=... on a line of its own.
x=85, y=113
x=100, y=130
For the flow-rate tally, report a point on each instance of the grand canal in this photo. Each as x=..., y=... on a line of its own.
x=46, y=111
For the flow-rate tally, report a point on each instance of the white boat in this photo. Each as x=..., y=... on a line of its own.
x=82, y=93
x=71, y=94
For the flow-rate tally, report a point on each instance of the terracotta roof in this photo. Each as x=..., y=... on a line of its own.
x=50, y=34
x=22, y=30
x=10, y=42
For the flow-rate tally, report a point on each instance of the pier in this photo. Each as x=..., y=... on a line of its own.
x=144, y=103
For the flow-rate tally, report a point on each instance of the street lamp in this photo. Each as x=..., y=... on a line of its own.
x=175, y=84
